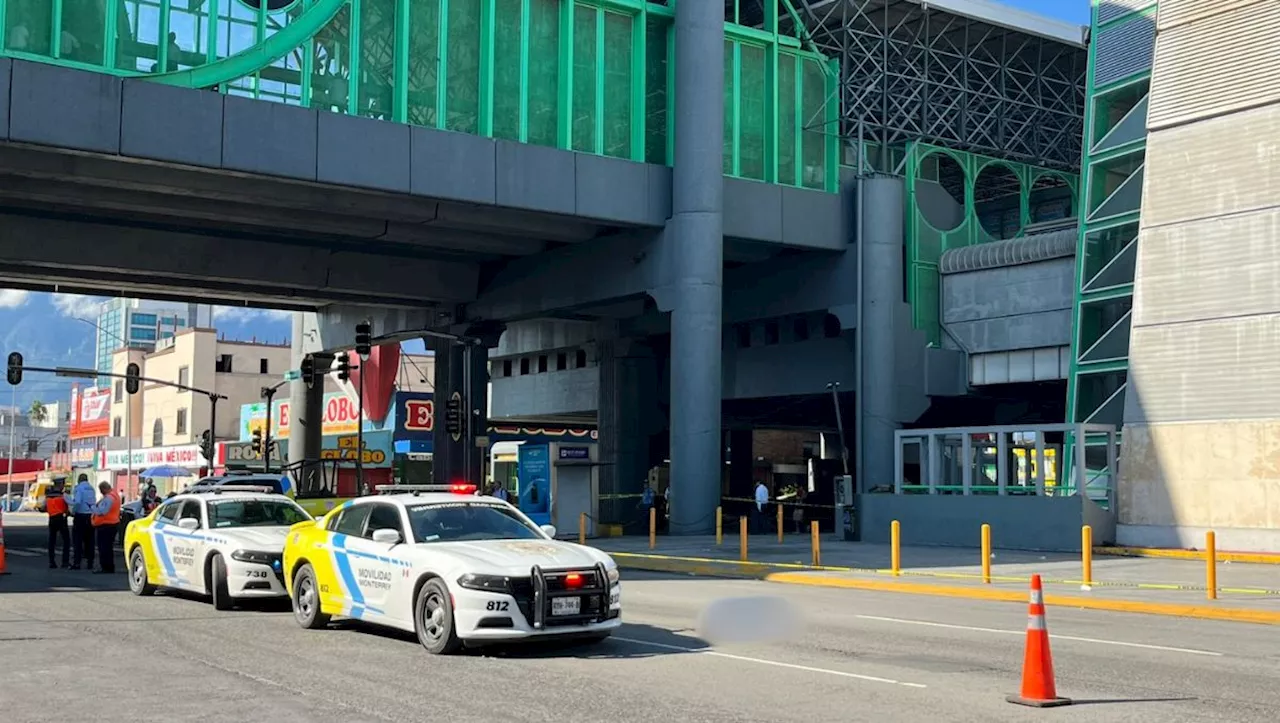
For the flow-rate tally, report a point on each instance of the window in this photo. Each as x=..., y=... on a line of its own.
x=184, y=376
x=119, y=391
x=562, y=361
x=771, y=333
x=169, y=512
x=182, y=422
x=157, y=434
x=580, y=359
x=115, y=427
x=800, y=328
x=350, y=521
x=143, y=320
x=542, y=363
x=468, y=521
x=191, y=511
x=506, y=367
x=264, y=366
x=524, y=365
x=830, y=326
x=251, y=512
x=142, y=333
x=384, y=517
x=33, y=447
x=743, y=332
x=223, y=365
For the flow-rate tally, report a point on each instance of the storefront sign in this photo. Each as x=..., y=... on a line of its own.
x=90, y=413
x=187, y=455
x=575, y=453
x=348, y=446
x=241, y=454
x=415, y=416
x=340, y=414
x=84, y=452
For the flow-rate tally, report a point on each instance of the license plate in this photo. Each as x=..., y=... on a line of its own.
x=566, y=605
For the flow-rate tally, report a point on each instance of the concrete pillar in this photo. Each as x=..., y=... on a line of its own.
x=306, y=415
x=626, y=417
x=882, y=279
x=696, y=244
x=456, y=460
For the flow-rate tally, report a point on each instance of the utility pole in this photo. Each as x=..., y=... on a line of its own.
x=8, y=485
x=268, y=393
x=364, y=347
x=844, y=448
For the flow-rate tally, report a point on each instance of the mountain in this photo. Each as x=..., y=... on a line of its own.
x=48, y=331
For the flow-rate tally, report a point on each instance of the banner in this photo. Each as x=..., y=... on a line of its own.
x=186, y=455
x=90, y=413
x=339, y=417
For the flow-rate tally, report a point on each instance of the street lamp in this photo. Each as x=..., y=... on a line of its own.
x=128, y=406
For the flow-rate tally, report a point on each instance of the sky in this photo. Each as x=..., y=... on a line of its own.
x=1074, y=11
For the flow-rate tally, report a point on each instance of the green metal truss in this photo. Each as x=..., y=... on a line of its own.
x=586, y=75
x=988, y=199
x=1110, y=196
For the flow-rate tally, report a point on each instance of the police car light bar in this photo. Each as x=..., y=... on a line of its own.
x=460, y=489
x=242, y=488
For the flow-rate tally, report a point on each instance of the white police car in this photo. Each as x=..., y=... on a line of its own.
x=453, y=567
x=225, y=542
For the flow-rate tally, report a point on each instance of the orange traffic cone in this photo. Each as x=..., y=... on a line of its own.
x=3, y=569
x=1038, y=690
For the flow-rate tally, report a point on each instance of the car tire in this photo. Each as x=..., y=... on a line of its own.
x=306, y=599
x=139, y=584
x=433, y=619
x=218, y=584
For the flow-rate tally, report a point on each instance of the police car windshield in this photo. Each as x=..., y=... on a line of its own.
x=461, y=521
x=255, y=513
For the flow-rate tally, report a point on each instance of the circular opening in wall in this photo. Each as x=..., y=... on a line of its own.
x=939, y=191
x=1051, y=198
x=997, y=201
x=272, y=6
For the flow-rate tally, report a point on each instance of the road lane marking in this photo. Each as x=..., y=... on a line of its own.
x=773, y=663
x=1055, y=636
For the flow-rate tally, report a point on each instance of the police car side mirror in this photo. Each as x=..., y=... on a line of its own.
x=386, y=536
x=189, y=523
x=550, y=530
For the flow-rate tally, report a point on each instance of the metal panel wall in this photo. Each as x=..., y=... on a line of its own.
x=1214, y=63
x=1109, y=10
x=1123, y=50
x=1178, y=12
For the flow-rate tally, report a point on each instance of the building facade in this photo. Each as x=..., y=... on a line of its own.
x=142, y=324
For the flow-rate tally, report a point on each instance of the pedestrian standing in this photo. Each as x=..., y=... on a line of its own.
x=83, y=499
x=106, y=520
x=757, y=510
x=57, y=504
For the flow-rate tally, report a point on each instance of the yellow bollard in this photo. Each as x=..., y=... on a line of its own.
x=1086, y=556
x=719, y=525
x=986, y=554
x=742, y=539
x=1211, y=564
x=653, y=527
x=582, y=528
x=816, y=543
x=895, y=548
x=779, y=522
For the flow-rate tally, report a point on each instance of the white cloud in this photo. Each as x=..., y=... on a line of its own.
x=13, y=298
x=75, y=305
x=242, y=314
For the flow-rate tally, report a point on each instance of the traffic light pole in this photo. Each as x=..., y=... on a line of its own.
x=269, y=393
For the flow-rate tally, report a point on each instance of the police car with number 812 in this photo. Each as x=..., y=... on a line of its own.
x=454, y=568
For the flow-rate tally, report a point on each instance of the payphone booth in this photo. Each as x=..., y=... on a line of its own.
x=557, y=483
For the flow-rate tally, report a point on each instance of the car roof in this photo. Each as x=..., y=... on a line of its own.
x=423, y=498
x=229, y=495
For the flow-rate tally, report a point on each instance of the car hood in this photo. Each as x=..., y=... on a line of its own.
x=266, y=539
x=516, y=557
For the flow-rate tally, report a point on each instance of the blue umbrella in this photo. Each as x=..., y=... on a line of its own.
x=165, y=470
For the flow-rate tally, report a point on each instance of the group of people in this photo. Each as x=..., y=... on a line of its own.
x=84, y=522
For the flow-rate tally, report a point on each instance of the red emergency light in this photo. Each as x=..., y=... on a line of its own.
x=462, y=489
x=573, y=580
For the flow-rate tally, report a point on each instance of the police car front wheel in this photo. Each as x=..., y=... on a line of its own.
x=433, y=619
x=306, y=600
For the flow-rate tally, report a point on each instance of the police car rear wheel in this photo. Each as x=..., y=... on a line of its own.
x=306, y=600
x=433, y=619
x=138, y=582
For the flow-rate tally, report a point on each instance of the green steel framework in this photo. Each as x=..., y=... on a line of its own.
x=926, y=243
x=1107, y=250
x=587, y=75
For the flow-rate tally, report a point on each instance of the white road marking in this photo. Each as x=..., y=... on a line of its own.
x=774, y=663
x=1053, y=636
x=24, y=553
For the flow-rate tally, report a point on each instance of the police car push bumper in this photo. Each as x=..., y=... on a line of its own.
x=544, y=604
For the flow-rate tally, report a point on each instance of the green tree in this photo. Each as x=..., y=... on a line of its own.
x=38, y=414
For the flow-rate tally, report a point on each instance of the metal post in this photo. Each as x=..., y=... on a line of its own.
x=468, y=420
x=844, y=448
x=269, y=393
x=128, y=436
x=213, y=428
x=360, y=432
x=8, y=485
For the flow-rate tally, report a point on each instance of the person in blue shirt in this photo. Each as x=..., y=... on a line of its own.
x=83, y=498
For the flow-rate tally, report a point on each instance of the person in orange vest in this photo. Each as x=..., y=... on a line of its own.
x=106, y=518
x=57, y=504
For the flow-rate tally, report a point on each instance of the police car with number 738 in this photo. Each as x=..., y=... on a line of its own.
x=455, y=568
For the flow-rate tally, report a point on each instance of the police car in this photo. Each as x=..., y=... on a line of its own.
x=450, y=566
x=225, y=543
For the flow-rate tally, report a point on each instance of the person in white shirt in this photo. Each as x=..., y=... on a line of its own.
x=762, y=499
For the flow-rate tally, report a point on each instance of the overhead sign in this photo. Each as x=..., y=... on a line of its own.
x=415, y=416
x=186, y=455
x=90, y=413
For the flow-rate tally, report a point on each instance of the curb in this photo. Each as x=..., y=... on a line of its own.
x=779, y=573
x=1254, y=558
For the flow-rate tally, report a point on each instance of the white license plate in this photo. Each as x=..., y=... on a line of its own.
x=566, y=605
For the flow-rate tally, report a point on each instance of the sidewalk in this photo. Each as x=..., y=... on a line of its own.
x=1246, y=592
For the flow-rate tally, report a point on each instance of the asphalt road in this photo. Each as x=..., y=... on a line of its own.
x=861, y=656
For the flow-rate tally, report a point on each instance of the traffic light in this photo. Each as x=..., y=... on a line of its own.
x=131, y=374
x=344, y=367
x=14, y=374
x=364, y=341
x=257, y=441
x=309, y=370
x=206, y=446
x=453, y=416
